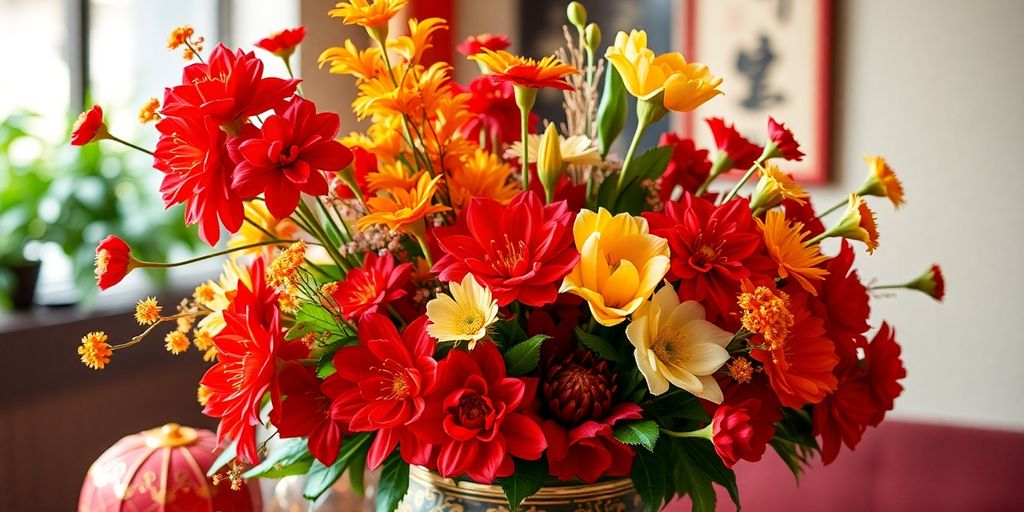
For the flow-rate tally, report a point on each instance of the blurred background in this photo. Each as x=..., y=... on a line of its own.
x=933, y=85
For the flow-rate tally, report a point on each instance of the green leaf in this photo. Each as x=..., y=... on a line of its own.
x=312, y=318
x=649, y=478
x=694, y=482
x=527, y=479
x=643, y=433
x=611, y=112
x=225, y=457
x=648, y=166
x=320, y=477
x=393, y=484
x=357, y=471
x=291, y=457
x=523, y=358
x=703, y=454
x=508, y=333
x=599, y=345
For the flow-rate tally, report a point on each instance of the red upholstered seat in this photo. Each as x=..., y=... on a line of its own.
x=899, y=466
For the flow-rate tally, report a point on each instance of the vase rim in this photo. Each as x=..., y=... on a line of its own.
x=547, y=495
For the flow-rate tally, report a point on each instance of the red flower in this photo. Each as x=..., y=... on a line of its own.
x=590, y=450
x=688, y=168
x=248, y=349
x=380, y=385
x=363, y=163
x=113, y=261
x=800, y=370
x=844, y=304
x=885, y=369
x=475, y=419
x=804, y=213
x=306, y=412
x=475, y=44
x=745, y=422
x=844, y=415
x=283, y=43
x=940, y=283
x=229, y=88
x=713, y=248
x=286, y=157
x=575, y=196
x=193, y=156
x=741, y=152
x=89, y=127
x=493, y=111
x=521, y=251
x=785, y=145
x=378, y=282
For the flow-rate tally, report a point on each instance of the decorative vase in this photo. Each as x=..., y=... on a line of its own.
x=430, y=492
x=163, y=470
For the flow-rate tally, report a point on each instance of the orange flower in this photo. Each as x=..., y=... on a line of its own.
x=349, y=60
x=383, y=138
x=526, y=72
x=858, y=223
x=741, y=370
x=374, y=14
x=147, y=311
x=202, y=339
x=282, y=270
x=148, y=111
x=412, y=46
x=785, y=242
x=392, y=176
x=766, y=313
x=400, y=209
x=95, y=350
x=418, y=94
x=882, y=181
x=481, y=174
x=176, y=342
x=179, y=36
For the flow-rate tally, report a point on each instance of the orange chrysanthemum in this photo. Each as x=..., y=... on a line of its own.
x=417, y=95
x=526, y=72
x=392, y=176
x=858, y=223
x=95, y=350
x=785, y=242
x=281, y=272
x=349, y=60
x=766, y=313
x=176, y=342
x=148, y=111
x=882, y=181
x=147, y=311
x=399, y=209
x=372, y=14
x=383, y=138
x=412, y=46
x=481, y=174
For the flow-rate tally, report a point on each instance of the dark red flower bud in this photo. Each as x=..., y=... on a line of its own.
x=578, y=389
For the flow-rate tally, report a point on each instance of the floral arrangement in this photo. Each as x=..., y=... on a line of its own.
x=460, y=289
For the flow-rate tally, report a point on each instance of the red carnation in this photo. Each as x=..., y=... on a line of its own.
x=306, y=412
x=521, y=251
x=885, y=370
x=590, y=450
x=688, y=168
x=804, y=212
x=381, y=383
x=283, y=43
x=493, y=112
x=246, y=364
x=781, y=142
x=229, y=87
x=844, y=304
x=476, y=44
x=113, y=261
x=844, y=415
x=475, y=419
x=745, y=421
x=377, y=283
x=713, y=248
x=740, y=152
x=89, y=127
x=285, y=158
x=192, y=154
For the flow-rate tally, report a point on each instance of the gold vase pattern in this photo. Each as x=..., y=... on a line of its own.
x=429, y=492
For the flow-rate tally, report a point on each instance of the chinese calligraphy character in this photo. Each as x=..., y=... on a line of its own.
x=755, y=64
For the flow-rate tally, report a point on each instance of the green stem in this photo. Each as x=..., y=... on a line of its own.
x=641, y=127
x=129, y=144
x=837, y=206
x=524, y=131
x=739, y=184
x=158, y=264
x=704, y=433
x=423, y=247
x=288, y=66
x=888, y=286
x=722, y=163
x=319, y=233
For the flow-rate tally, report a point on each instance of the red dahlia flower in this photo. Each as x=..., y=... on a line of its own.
x=844, y=304
x=473, y=45
x=713, y=248
x=193, y=156
x=590, y=450
x=283, y=43
x=89, y=127
x=688, y=168
x=885, y=370
x=493, y=112
x=745, y=421
x=377, y=283
x=844, y=415
x=229, y=87
x=521, y=251
x=306, y=412
x=113, y=261
x=380, y=385
x=782, y=140
x=475, y=419
x=286, y=157
x=741, y=152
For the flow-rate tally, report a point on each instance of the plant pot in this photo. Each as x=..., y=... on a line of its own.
x=429, y=492
x=26, y=275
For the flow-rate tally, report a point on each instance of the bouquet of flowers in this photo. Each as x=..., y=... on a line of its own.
x=461, y=289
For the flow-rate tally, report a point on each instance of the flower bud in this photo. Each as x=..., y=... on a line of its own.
x=592, y=37
x=549, y=160
x=932, y=282
x=857, y=223
x=611, y=112
x=577, y=14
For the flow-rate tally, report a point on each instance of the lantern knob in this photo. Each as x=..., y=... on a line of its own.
x=170, y=435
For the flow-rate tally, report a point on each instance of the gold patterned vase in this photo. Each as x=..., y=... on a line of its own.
x=429, y=492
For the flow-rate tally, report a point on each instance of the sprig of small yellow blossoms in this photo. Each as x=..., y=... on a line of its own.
x=147, y=311
x=281, y=273
x=741, y=370
x=95, y=350
x=767, y=314
x=148, y=111
x=183, y=36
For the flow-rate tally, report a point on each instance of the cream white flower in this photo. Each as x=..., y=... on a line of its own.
x=464, y=315
x=676, y=345
x=575, y=150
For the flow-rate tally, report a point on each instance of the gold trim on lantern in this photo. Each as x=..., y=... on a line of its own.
x=551, y=495
x=170, y=435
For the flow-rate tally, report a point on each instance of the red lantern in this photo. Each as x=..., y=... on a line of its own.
x=163, y=470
